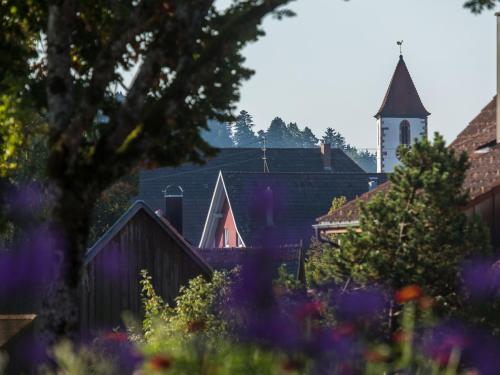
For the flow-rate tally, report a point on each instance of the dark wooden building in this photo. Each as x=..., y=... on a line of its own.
x=140, y=240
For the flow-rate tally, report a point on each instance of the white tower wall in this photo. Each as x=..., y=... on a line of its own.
x=388, y=136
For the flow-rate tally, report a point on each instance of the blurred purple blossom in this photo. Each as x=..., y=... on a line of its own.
x=363, y=304
x=479, y=350
x=26, y=198
x=481, y=278
x=31, y=265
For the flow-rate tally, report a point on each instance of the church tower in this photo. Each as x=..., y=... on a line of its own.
x=401, y=120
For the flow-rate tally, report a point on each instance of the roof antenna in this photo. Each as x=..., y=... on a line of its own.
x=264, y=157
x=400, y=44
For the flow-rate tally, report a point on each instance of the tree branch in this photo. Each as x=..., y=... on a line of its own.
x=104, y=69
x=189, y=72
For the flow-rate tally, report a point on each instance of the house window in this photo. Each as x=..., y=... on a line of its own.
x=404, y=133
x=226, y=237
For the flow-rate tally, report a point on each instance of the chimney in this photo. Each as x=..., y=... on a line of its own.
x=173, y=206
x=326, y=155
x=498, y=77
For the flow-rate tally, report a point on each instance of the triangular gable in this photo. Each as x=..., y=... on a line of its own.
x=162, y=222
x=219, y=196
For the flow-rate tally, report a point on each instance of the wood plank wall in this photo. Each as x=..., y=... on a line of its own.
x=112, y=279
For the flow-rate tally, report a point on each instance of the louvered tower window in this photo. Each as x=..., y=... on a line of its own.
x=404, y=133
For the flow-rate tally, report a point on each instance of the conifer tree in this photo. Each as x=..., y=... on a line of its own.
x=308, y=138
x=294, y=136
x=415, y=233
x=334, y=139
x=244, y=135
x=277, y=133
x=218, y=134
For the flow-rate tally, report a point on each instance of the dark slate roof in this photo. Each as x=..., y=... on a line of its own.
x=228, y=258
x=299, y=198
x=162, y=223
x=198, y=182
x=402, y=99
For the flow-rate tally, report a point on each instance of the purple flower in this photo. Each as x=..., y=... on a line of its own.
x=30, y=266
x=360, y=304
x=479, y=350
x=481, y=278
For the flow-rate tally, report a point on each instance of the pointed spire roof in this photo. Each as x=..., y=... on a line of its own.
x=402, y=99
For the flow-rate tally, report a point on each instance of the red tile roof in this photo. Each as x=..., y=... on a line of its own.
x=350, y=211
x=478, y=139
x=402, y=99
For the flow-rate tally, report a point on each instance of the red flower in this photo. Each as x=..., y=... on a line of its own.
x=160, y=362
x=375, y=356
x=343, y=330
x=312, y=309
x=426, y=303
x=408, y=293
x=400, y=337
x=116, y=336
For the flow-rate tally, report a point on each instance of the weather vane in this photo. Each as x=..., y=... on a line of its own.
x=400, y=44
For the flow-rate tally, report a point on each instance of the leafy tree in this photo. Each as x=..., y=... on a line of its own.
x=71, y=54
x=112, y=204
x=477, y=6
x=244, y=135
x=218, y=134
x=337, y=202
x=416, y=233
x=198, y=308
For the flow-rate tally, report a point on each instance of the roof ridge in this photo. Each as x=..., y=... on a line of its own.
x=120, y=223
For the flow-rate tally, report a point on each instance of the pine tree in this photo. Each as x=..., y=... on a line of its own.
x=244, y=135
x=334, y=138
x=416, y=233
x=277, y=133
x=364, y=159
x=308, y=138
x=294, y=136
x=218, y=134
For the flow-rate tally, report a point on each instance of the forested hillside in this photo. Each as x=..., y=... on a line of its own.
x=279, y=134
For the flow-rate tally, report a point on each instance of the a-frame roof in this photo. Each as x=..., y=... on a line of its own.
x=198, y=181
x=162, y=223
x=298, y=199
x=402, y=99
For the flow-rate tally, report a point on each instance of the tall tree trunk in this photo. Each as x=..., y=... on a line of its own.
x=70, y=219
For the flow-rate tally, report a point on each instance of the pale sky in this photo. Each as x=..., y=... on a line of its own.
x=332, y=63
